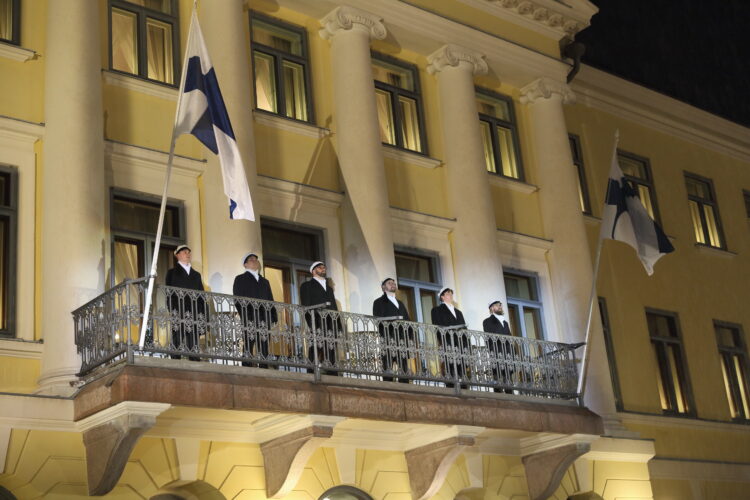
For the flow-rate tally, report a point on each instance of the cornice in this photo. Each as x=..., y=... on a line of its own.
x=409, y=157
x=344, y=18
x=629, y=101
x=452, y=55
x=139, y=85
x=693, y=424
x=122, y=153
x=511, y=184
x=126, y=408
x=17, y=348
x=413, y=221
x=544, y=88
x=504, y=235
x=21, y=131
x=27, y=411
x=289, y=125
x=14, y=53
x=281, y=187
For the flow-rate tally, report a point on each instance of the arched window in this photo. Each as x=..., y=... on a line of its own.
x=345, y=493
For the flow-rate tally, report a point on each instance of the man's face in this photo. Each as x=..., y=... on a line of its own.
x=497, y=308
x=390, y=286
x=319, y=271
x=447, y=297
x=183, y=256
x=252, y=263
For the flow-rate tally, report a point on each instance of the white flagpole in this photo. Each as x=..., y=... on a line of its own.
x=170, y=160
x=592, y=296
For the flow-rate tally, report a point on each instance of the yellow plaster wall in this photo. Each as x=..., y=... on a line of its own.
x=18, y=374
x=383, y=474
x=417, y=188
x=685, y=442
x=504, y=477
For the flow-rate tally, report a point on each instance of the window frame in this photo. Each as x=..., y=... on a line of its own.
x=11, y=211
x=494, y=122
x=610, y=348
x=648, y=182
x=522, y=303
x=142, y=13
x=677, y=340
x=713, y=203
x=418, y=285
x=15, y=24
x=740, y=350
x=395, y=92
x=746, y=199
x=577, y=154
x=280, y=55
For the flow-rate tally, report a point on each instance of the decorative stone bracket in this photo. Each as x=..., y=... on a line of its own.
x=285, y=457
x=545, y=469
x=429, y=464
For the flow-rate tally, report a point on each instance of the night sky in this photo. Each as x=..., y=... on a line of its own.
x=697, y=51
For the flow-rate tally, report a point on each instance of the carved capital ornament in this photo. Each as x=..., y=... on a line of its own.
x=452, y=55
x=545, y=88
x=344, y=18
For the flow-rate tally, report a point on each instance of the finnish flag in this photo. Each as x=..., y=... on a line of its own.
x=626, y=219
x=201, y=112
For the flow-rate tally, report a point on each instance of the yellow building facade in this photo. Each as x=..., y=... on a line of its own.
x=435, y=142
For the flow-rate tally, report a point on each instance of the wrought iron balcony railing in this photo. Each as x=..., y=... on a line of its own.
x=213, y=327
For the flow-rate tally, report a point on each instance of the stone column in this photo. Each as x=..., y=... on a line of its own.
x=367, y=232
x=479, y=272
x=73, y=228
x=226, y=31
x=570, y=261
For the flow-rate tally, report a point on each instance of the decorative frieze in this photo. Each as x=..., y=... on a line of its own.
x=345, y=17
x=541, y=13
x=453, y=55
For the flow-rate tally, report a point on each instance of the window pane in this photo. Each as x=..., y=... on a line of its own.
x=515, y=320
x=661, y=326
x=265, y=82
x=406, y=295
x=128, y=260
x=409, y=124
x=385, y=116
x=159, y=47
x=497, y=108
x=695, y=215
x=581, y=199
x=393, y=75
x=142, y=217
x=632, y=167
x=295, y=101
x=277, y=37
x=164, y=6
x=415, y=267
x=532, y=322
x=644, y=193
x=677, y=375
x=660, y=368
x=714, y=238
x=520, y=287
x=747, y=203
x=741, y=381
x=574, y=148
x=6, y=19
x=124, y=41
x=489, y=156
x=4, y=242
x=697, y=188
x=5, y=189
x=427, y=300
x=507, y=152
x=282, y=242
x=727, y=336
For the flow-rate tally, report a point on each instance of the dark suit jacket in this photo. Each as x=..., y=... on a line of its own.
x=312, y=293
x=179, y=278
x=384, y=308
x=442, y=316
x=245, y=285
x=493, y=325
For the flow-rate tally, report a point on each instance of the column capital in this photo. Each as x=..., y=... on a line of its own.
x=344, y=18
x=545, y=88
x=453, y=55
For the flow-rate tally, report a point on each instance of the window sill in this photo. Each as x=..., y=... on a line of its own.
x=709, y=250
x=132, y=82
x=290, y=125
x=16, y=53
x=512, y=184
x=411, y=157
x=19, y=348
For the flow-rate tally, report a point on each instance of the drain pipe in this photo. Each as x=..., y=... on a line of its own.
x=574, y=50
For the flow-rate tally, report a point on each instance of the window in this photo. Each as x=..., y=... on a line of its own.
x=637, y=170
x=672, y=378
x=497, y=122
x=703, y=211
x=610, y=347
x=144, y=38
x=10, y=21
x=583, y=192
x=418, y=283
x=524, y=305
x=733, y=353
x=133, y=221
x=8, y=231
x=399, y=103
x=280, y=63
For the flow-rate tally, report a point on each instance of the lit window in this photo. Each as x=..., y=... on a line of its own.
x=524, y=304
x=672, y=380
x=583, y=193
x=8, y=223
x=10, y=21
x=637, y=170
x=418, y=283
x=733, y=353
x=280, y=63
x=143, y=38
x=610, y=347
x=497, y=124
x=703, y=211
x=399, y=103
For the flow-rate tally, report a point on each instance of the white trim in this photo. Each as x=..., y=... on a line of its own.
x=511, y=184
x=410, y=157
x=15, y=53
x=324, y=197
x=709, y=250
x=621, y=450
x=289, y=125
x=684, y=423
x=547, y=441
x=21, y=349
x=24, y=411
x=4, y=442
x=139, y=85
x=690, y=470
x=20, y=130
x=126, y=408
x=152, y=159
x=523, y=239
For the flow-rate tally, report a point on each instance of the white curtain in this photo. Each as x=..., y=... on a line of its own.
x=124, y=46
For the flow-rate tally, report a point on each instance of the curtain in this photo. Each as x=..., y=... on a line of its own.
x=265, y=86
x=385, y=116
x=159, y=48
x=124, y=46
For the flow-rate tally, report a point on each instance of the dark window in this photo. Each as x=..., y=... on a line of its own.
x=134, y=218
x=704, y=211
x=418, y=282
x=281, y=66
x=345, y=493
x=10, y=21
x=610, y=347
x=637, y=170
x=399, y=103
x=583, y=192
x=524, y=304
x=746, y=195
x=144, y=38
x=8, y=234
x=672, y=377
x=734, y=366
x=497, y=122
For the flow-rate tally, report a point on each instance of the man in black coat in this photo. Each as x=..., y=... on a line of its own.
x=497, y=323
x=446, y=314
x=395, y=336
x=186, y=308
x=257, y=318
x=317, y=291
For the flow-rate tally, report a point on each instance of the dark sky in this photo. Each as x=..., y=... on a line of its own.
x=697, y=51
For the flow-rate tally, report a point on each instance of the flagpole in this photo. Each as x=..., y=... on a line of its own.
x=163, y=208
